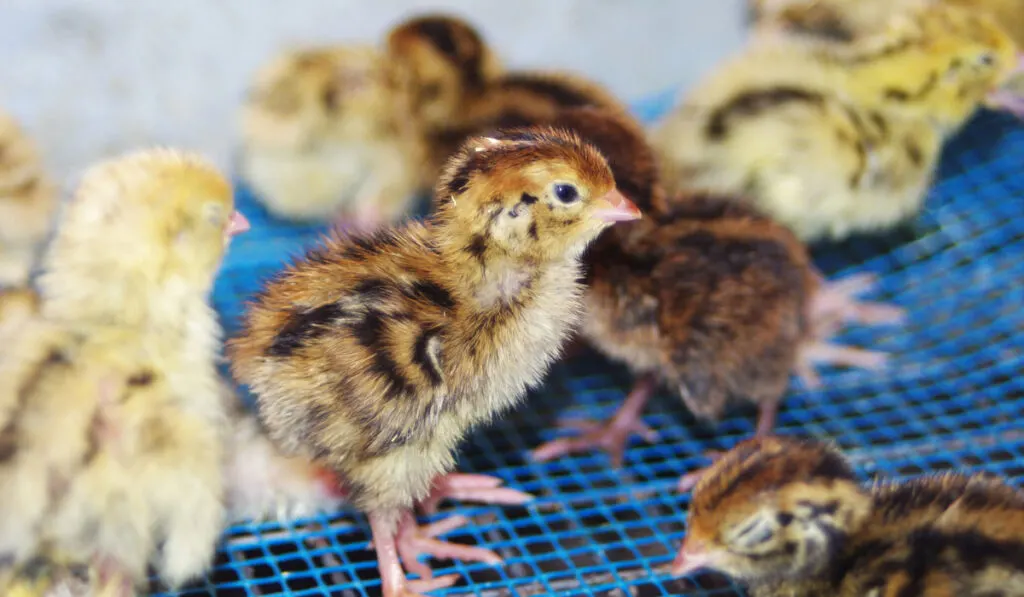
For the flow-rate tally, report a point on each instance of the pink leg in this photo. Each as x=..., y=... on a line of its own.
x=610, y=436
x=834, y=305
x=413, y=541
x=765, y=424
x=483, y=489
x=392, y=576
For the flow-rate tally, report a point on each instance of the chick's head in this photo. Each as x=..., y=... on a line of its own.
x=308, y=96
x=943, y=62
x=151, y=222
x=771, y=509
x=536, y=193
x=446, y=63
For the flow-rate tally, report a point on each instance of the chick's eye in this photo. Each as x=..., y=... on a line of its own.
x=986, y=59
x=566, y=193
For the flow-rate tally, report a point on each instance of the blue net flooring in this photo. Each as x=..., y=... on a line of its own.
x=953, y=398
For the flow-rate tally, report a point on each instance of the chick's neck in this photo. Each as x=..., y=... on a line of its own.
x=489, y=276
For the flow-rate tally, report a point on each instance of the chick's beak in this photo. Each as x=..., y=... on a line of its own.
x=237, y=223
x=691, y=557
x=615, y=207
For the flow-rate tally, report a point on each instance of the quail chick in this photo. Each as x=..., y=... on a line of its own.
x=787, y=518
x=703, y=295
x=447, y=64
x=376, y=355
x=110, y=421
x=28, y=200
x=850, y=20
x=833, y=141
x=326, y=134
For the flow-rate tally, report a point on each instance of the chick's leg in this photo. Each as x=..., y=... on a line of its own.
x=392, y=576
x=832, y=307
x=610, y=436
x=483, y=489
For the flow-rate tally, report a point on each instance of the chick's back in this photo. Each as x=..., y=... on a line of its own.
x=344, y=353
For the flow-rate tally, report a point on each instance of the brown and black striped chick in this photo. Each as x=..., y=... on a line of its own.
x=524, y=98
x=460, y=88
x=447, y=64
x=787, y=518
x=376, y=355
x=703, y=295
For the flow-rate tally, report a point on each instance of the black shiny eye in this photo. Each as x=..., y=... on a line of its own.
x=566, y=193
x=986, y=59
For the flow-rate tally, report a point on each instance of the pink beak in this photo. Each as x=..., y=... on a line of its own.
x=690, y=559
x=615, y=207
x=237, y=223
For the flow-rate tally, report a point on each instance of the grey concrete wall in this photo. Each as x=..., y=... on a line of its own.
x=94, y=77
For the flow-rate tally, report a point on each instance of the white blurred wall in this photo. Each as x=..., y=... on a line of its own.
x=94, y=77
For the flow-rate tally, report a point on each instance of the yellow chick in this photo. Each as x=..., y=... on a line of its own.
x=833, y=140
x=50, y=575
x=326, y=133
x=847, y=20
x=28, y=200
x=111, y=425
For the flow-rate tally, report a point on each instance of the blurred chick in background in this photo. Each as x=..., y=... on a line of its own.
x=375, y=355
x=28, y=200
x=835, y=140
x=787, y=518
x=850, y=20
x=447, y=64
x=111, y=424
x=326, y=134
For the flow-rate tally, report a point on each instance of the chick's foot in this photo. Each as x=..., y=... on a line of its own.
x=386, y=540
x=483, y=489
x=835, y=305
x=813, y=352
x=610, y=436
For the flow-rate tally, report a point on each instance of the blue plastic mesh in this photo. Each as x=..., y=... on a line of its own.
x=952, y=398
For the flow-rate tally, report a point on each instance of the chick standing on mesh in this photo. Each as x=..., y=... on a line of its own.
x=704, y=296
x=326, y=134
x=111, y=425
x=787, y=518
x=835, y=140
x=376, y=355
x=28, y=200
